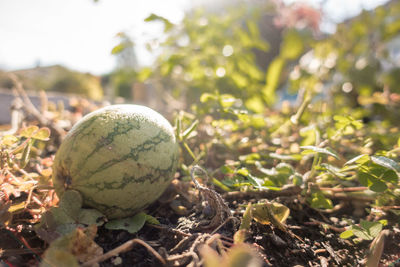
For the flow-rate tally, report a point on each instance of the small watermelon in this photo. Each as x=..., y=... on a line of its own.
x=120, y=158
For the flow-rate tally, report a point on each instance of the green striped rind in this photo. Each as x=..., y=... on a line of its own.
x=120, y=158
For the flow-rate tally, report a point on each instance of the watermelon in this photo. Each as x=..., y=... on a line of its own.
x=120, y=158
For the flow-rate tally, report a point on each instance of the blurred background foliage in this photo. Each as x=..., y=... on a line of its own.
x=252, y=56
x=57, y=79
x=263, y=54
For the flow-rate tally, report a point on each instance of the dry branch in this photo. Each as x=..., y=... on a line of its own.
x=269, y=194
x=123, y=248
x=31, y=109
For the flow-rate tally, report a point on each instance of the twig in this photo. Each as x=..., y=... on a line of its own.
x=19, y=251
x=388, y=208
x=331, y=252
x=225, y=222
x=344, y=189
x=196, y=243
x=336, y=208
x=166, y=228
x=125, y=247
x=294, y=120
x=180, y=244
x=16, y=116
x=344, y=196
x=181, y=256
x=31, y=109
x=288, y=191
x=221, y=244
x=191, y=253
x=323, y=224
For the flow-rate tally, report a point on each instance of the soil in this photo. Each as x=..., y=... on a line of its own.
x=311, y=239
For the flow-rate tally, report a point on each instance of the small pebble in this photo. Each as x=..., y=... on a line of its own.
x=116, y=261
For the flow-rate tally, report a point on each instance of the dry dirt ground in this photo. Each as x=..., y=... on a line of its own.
x=310, y=239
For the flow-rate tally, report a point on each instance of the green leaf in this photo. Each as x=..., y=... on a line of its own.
x=226, y=100
x=226, y=169
x=269, y=172
x=342, y=119
x=377, y=185
x=144, y=74
x=272, y=80
x=256, y=182
x=281, y=212
x=207, y=97
x=386, y=162
x=61, y=217
x=384, y=222
x=333, y=170
x=346, y=234
x=357, y=124
x=390, y=176
x=373, y=228
x=130, y=224
x=243, y=171
x=66, y=228
x=59, y=257
x=28, y=132
x=189, y=130
x=25, y=155
x=309, y=133
x=9, y=140
x=71, y=203
x=220, y=184
x=285, y=168
x=240, y=236
x=167, y=24
x=253, y=29
x=72, y=248
x=364, y=178
x=241, y=255
x=361, y=233
x=151, y=220
x=263, y=212
x=42, y=134
x=296, y=179
x=319, y=201
x=285, y=157
x=247, y=217
x=255, y=104
x=90, y=216
x=360, y=159
x=292, y=45
x=118, y=49
x=313, y=149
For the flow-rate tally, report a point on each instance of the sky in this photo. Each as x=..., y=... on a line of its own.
x=77, y=33
x=80, y=34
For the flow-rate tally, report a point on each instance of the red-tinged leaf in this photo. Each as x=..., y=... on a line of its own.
x=29, y=131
